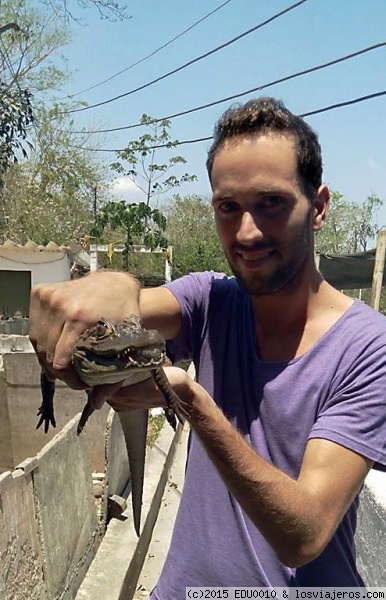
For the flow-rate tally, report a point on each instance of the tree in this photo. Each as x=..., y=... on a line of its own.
x=15, y=117
x=28, y=39
x=26, y=52
x=138, y=222
x=349, y=226
x=107, y=9
x=50, y=196
x=192, y=234
x=150, y=177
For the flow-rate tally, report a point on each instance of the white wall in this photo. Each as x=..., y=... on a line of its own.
x=45, y=265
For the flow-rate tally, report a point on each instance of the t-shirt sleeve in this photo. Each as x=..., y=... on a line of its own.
x=192, y=292
x=354, y=414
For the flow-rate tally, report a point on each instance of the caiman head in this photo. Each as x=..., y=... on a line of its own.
x=111, y=352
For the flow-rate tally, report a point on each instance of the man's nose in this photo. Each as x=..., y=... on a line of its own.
x=250, y=230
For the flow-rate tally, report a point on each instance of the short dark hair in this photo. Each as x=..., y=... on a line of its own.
x=264, y=115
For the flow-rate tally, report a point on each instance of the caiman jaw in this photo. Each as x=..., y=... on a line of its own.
x=109, y=352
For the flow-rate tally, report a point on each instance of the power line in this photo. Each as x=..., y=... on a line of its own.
x=205, y=139
x=239, y=95
x=141, y=60
x=191, y=62
x=341, y=104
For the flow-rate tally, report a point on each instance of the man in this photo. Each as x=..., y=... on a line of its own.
x=289, y=412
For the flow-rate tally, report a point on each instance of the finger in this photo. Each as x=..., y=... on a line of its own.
x=61, y=340
x=39, y=320
x=143, y=395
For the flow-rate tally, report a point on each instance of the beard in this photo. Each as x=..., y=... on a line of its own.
x=286, y=277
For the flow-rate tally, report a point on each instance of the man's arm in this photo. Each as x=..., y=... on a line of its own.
x=297, y=516
x=159, y=309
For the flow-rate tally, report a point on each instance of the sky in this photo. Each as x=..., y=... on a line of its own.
x=316, y=32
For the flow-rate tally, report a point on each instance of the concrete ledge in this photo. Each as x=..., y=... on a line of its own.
x=116, y=567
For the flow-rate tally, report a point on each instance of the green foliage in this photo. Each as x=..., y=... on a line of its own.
x=349, y=229
x=49, y=196
x=28, y=38
x=349, y=226
x=150, y=177
x=26, y=57
x=15, y=117
x=192, y=234
x=139, y=224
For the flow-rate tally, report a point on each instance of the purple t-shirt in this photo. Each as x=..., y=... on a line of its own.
x=336, y=391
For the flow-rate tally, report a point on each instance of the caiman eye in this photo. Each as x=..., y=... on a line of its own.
x=101, y=329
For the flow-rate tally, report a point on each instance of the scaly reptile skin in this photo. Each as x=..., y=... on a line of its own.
x=110, y=353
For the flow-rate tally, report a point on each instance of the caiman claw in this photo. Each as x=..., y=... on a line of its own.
x=46, y=410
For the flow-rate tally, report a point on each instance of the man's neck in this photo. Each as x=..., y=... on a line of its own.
x=289, y=322
x=281, y=310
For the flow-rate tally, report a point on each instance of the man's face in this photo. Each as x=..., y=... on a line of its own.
x=263, y=218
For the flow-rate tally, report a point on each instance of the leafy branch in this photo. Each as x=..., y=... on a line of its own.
x=150, y=177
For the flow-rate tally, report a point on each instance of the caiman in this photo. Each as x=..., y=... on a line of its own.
x=110, y=353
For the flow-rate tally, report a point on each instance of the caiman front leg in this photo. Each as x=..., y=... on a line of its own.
x=86, y=413
x=171, y=398
x=46, y=410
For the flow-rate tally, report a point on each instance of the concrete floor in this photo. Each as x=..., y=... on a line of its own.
x=164, y=526
x=121, y=553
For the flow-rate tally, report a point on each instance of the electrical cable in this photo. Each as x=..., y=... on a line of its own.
x=191, y=62
x=141, y=60
x=205, y=139
x=239, y=95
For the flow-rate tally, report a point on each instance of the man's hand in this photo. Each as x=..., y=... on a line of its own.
x=60, y=313
x=145, y=394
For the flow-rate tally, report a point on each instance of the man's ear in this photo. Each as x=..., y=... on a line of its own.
x=321, y=205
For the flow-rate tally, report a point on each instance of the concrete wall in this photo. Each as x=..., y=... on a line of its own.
x=51, y=523
x=371, y=531
x=50, y=527
x=45, y=265
x=20, y=398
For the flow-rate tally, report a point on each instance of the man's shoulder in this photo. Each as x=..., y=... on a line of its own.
x=360, y=334
x=204, y=281
x=374, y=322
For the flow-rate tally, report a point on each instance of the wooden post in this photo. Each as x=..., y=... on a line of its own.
x=378, y=269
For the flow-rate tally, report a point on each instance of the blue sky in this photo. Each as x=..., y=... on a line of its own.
x=352, y=138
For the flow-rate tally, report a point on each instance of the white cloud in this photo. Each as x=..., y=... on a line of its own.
x=124, y=189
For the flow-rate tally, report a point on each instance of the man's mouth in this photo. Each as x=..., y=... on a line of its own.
x=254, y=257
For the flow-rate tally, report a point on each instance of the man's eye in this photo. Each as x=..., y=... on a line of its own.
x=273, y=202
x=227, y=207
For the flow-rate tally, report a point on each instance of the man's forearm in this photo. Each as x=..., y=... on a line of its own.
x=285, y=512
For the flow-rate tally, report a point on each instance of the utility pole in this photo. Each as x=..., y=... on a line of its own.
x=95, y=210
